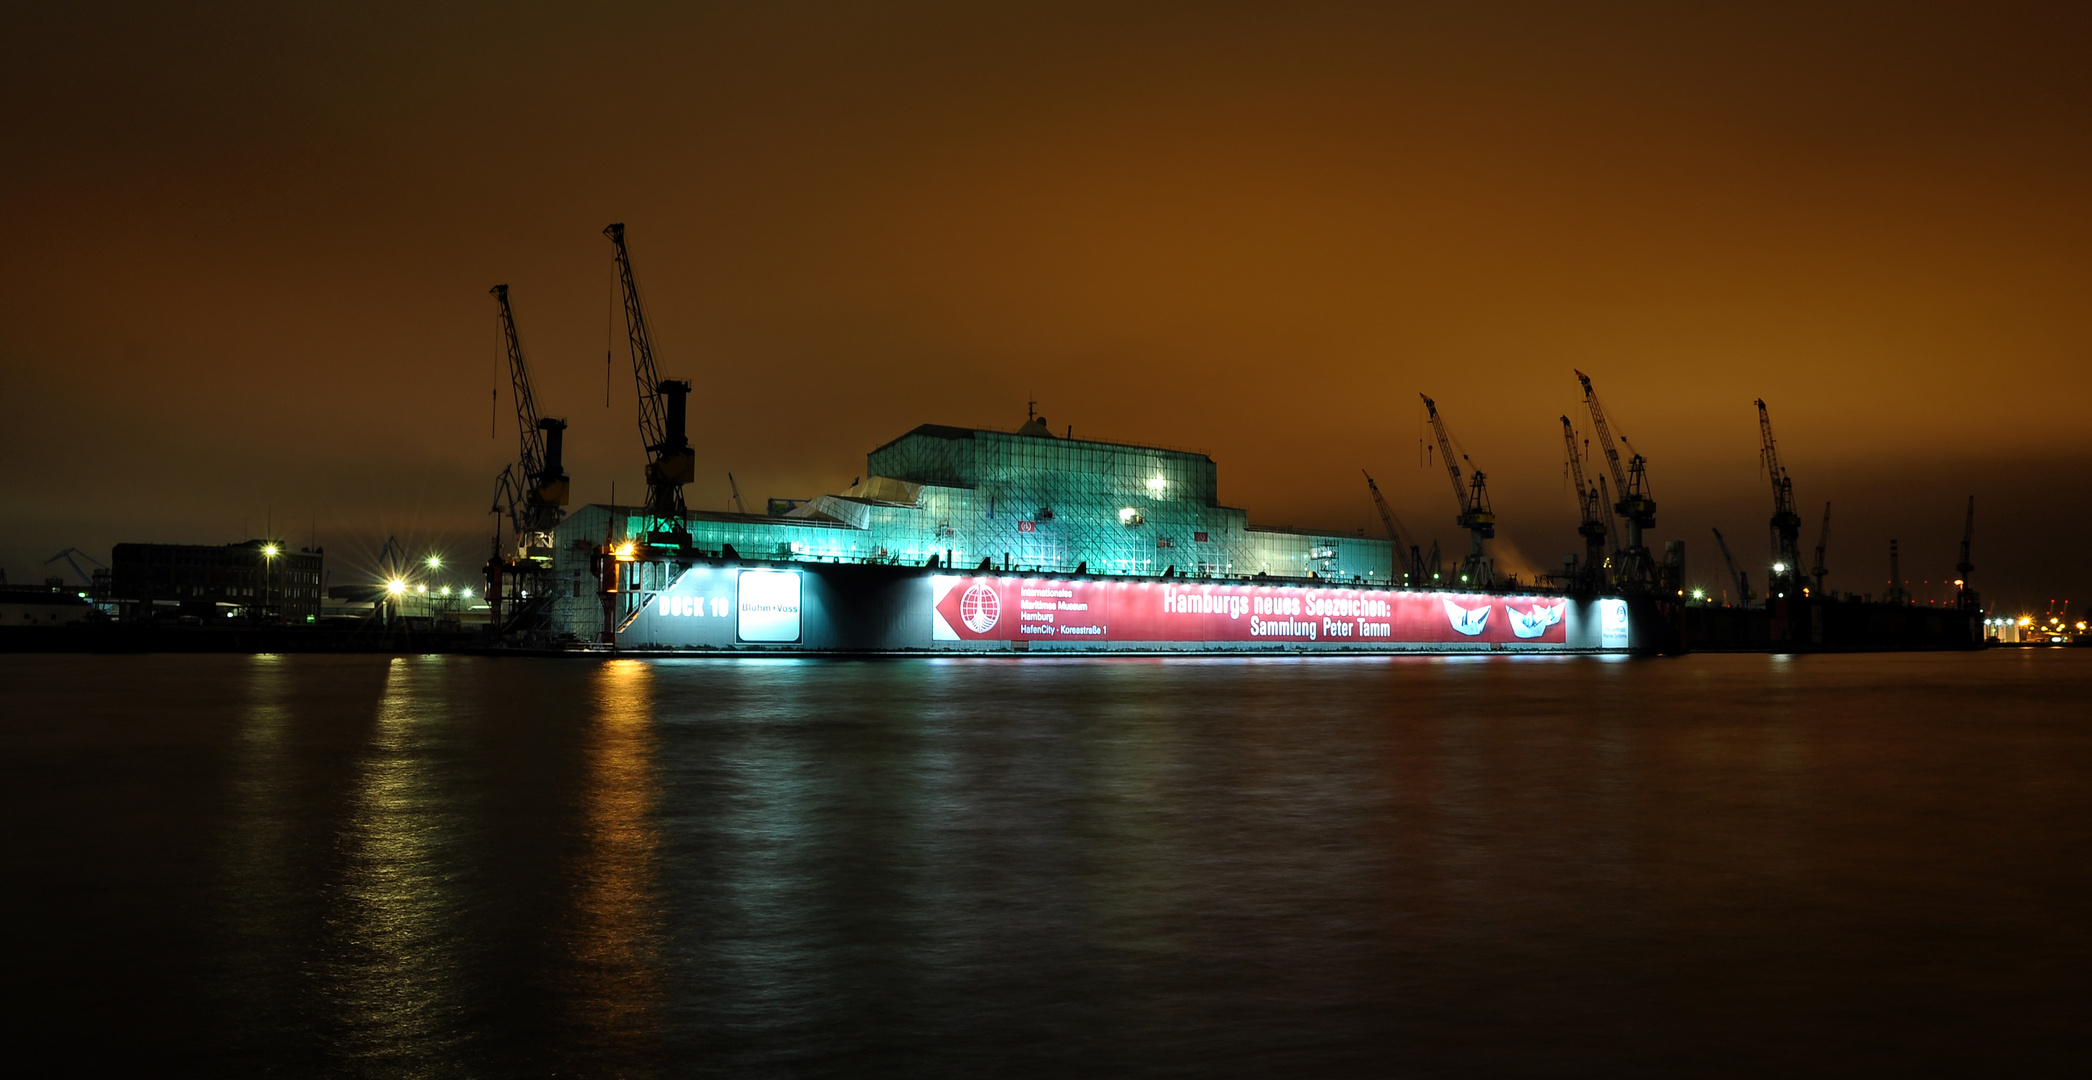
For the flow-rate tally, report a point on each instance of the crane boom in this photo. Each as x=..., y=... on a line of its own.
x=88, y=579
x=1587, y=508
x=1605, y=506
x=1964, y=596
x=1604, y=432
x=662, y=403
x=1475, y=514
x=1743, y=584
x=1576, y=465
x=533, y=440
x=1822, y=541
x=1398, y=536
x=1768, y=451
x=1636, y=506
x=1395, y=531
x=1786, y=523
x=1445, y=450
x=534, y=493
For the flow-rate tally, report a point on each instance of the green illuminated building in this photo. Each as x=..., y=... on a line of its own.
x=1026, y=500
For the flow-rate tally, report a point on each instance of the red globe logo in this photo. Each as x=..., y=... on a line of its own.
x=979, y=609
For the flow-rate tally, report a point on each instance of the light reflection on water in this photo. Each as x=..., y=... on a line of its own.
x=616, y=944
x=260, y=870
x=395, y=930
x=432, y=866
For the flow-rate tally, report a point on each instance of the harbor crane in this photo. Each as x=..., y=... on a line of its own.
x=1636, y=506
x=1588, y=508
x=1605, y=507
x=534, y=490
x=663, y=409
x=1786, y=523
x=1473, y=496
x=1413, y=572
x=1965, y=597
x=531, y=492
x=1742, y=580
x=87, y=579
x=1822, y=540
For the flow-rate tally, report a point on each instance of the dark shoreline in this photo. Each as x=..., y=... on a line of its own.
x=149, y=638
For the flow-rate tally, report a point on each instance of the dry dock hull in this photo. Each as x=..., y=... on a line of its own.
x=846, y=608
x=1802, y=626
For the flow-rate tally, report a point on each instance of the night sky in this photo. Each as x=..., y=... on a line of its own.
x=245, y=254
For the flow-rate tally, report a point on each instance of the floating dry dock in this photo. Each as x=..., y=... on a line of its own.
x=724, y=606
x=969, y=540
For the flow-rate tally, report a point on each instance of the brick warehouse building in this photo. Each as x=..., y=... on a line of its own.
x=257, y=579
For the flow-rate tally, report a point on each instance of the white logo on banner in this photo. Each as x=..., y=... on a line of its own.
x=1612, y=624
x=1469, y=621
x=980, y=609
x=1535, y=622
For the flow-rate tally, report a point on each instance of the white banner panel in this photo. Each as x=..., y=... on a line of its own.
x=769, y=605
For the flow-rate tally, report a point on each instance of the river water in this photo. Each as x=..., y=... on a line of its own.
x=452, y=866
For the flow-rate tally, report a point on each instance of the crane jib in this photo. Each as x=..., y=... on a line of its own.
x=661, y=404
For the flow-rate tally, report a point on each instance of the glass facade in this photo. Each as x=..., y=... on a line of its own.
x=1028, y=501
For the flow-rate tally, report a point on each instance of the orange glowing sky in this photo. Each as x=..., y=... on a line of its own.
x=246, y=256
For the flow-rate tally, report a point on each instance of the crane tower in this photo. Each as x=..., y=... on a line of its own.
x=1817, y=570
x=1965, y=596
x=1637, y=508
x=1473, y=497
x=1742, y=579
x=532, y=493
x=534, y=490
x=1588, y=507
x=1787, y=575
x=663, y=405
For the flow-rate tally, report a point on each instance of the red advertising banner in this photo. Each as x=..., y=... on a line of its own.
x=991, y=608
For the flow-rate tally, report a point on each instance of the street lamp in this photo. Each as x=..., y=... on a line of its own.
x=269, y=553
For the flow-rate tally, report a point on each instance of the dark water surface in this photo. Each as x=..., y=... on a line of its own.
x=446, y=866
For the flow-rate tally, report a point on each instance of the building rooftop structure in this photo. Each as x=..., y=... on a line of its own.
x=1027, y=500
